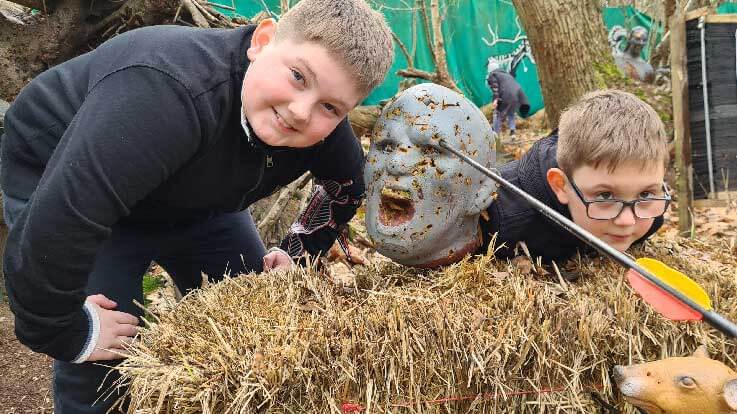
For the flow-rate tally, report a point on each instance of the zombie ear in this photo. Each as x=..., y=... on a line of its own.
x=701, y=352
x=483, y=197
x=730, y=394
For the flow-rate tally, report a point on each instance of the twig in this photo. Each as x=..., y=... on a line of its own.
x=197, y=17
x=222, y=6
x=278, y=207
x=404, y=50
x=176, y=15
x=428, y=30
x=560, y=277
x=204, y=11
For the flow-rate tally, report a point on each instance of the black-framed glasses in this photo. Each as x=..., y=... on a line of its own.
x=643, y=208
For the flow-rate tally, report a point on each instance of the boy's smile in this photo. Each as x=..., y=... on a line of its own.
x=629, y=181
x=294, y=94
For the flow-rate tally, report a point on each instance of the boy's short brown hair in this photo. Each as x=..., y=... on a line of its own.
x=609, y=127
x=350, y=30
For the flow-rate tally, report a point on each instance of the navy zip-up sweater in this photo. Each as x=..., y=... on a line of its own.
x=514, y=220
x=145, y=129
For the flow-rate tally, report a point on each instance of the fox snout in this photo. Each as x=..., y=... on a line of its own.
x=679, y=385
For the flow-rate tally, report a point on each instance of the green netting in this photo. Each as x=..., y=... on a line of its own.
x=474, y=30
x=727, y=8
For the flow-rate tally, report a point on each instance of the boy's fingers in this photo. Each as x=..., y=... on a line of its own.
x=125, y=318
x=102, y=301
x=124, y=342
x=103, y=355
x=269, y=261
x=127, y=330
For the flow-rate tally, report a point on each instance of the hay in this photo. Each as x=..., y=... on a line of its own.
x=475, y=337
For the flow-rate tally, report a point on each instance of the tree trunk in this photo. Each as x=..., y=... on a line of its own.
x=661, y=55
x=669, y=10
x=570, y=47
x=363, y=118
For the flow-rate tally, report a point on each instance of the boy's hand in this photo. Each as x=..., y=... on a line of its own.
x=277, y=259
x=117, y=329
x=494, y=104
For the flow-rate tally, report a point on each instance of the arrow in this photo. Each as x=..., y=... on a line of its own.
x=671, y=293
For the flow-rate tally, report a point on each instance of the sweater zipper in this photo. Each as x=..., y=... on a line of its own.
x=258, y=182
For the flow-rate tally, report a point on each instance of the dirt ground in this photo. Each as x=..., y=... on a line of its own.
x=25, y=377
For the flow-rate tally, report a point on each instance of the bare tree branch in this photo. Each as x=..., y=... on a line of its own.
x=276, y=209
x=428, y=27
x=197, y=17
x=405, y=52
x=417, y=73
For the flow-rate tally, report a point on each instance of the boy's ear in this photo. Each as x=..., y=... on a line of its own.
x=557, y=182
x=483, y=198
x=262, y=36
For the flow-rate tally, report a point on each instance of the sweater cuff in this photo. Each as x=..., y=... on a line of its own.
x=279, y=249
x=93, y=335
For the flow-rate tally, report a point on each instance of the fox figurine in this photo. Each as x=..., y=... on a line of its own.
x=681, y=385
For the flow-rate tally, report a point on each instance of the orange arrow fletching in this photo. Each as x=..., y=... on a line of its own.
x=662, y=301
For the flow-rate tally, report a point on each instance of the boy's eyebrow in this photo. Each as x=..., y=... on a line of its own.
x=308, y=69
x=312, y=75
x=608, y=187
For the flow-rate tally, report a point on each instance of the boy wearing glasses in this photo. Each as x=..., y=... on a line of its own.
x=603, y=168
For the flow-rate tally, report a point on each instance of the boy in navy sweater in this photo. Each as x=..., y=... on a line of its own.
x=151, y=147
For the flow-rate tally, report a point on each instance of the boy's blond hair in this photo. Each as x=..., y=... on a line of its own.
x=609, y=127
x=350, y=30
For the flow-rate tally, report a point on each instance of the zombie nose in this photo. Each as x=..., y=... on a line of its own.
x=397, y=165
x=618, y=373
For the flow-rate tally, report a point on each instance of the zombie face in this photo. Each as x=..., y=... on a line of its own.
x=636, y=41
x=423, y=203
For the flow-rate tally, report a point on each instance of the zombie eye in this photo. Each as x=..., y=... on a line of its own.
x=687, y=382
x=386, y=147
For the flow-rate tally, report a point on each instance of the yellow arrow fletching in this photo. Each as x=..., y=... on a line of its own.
x=677, y=281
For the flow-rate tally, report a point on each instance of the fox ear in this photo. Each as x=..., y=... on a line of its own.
x=701, y=352
x=730, y=394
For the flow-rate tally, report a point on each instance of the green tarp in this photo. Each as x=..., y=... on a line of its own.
x=727, y=8
x=473, y=30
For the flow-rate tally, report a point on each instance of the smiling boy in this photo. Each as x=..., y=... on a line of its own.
x=151, y=147
x=604, y=169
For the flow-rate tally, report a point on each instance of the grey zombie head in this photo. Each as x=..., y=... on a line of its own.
x=423, y=203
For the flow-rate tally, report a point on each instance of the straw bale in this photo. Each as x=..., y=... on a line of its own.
x=478, y=337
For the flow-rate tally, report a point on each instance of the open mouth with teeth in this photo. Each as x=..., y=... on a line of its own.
x=396, y=207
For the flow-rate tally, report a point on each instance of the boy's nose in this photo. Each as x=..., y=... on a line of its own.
x=626, y=217
x=300, y=111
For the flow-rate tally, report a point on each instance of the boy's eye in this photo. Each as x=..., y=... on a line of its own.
x=647, y=194
x=330, y=108
x=297, y=76
x=606, y=195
